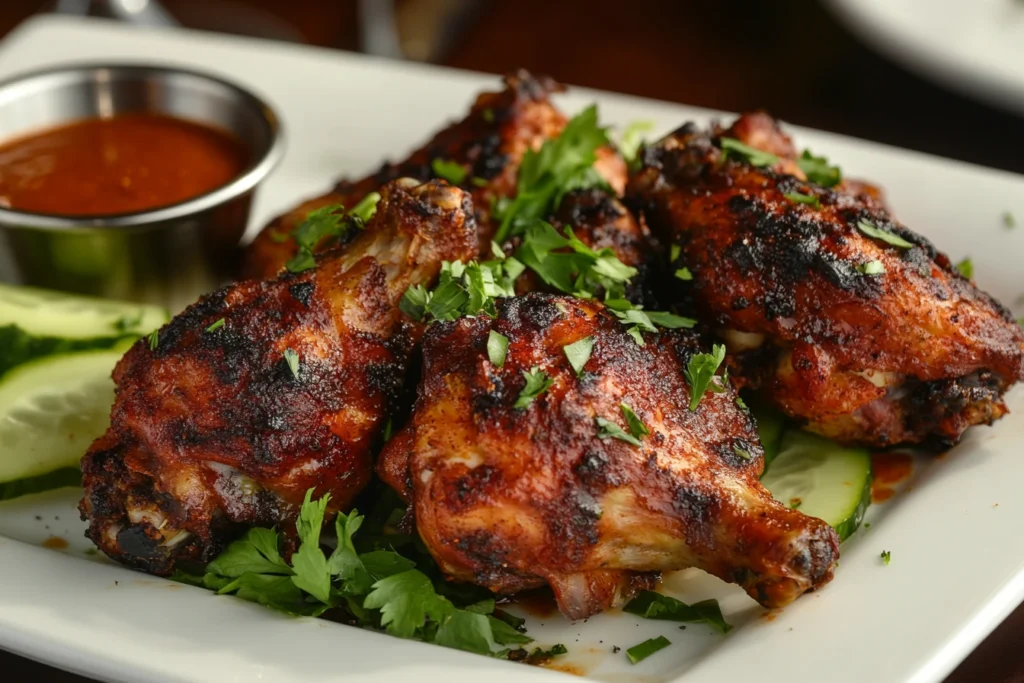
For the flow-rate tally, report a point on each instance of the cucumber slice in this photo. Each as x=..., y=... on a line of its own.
x=822, y=479
x=51, y=410
x=45, y=313
x=770, y=423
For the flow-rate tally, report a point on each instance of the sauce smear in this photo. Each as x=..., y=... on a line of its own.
x=124, y=164
x=889, y=469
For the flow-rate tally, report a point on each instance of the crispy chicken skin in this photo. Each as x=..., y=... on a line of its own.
x=914, y=354
x=214, y=429
x=512, y=499
x=489, y=144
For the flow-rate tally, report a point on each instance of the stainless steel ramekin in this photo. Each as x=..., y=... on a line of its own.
x=168, y=255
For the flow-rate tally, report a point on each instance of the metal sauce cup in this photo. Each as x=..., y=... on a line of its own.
x=168, y=255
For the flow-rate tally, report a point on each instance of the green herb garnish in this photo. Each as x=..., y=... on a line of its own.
x=700, y=372
x=734, y=149
x=875, y=267
x=154, y=339
x=610, y=430
x=497, y=348
x=800, y=198
x=886, y=557
x=966, y=268
x=1009, y=221
x=462, y=289
x=884, y=235
x=328, y=222
x=632, y=140
x=636, y=426
x=578, y=353
x=818, y=170
x=684, y=274
x=652, y=605
x=537, y=382
x=638, y=653
x=449, y=170
x=292, y=359
x=216, y=326
x=569, y=265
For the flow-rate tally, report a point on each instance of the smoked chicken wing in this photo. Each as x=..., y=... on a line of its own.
x=837, y=313
x=512, y=495
x=487, y=146
x=265, y=389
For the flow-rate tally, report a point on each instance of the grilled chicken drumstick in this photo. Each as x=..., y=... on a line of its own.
x=512, y=497
x=263, y=390
x=487, y=146
x=837, y=313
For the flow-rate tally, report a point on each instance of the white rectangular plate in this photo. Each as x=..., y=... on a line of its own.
x=957, y=568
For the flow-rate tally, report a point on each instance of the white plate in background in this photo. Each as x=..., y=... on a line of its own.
x=957, y=562
x=975, y=47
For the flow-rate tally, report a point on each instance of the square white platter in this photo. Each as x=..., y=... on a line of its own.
x=955, y=534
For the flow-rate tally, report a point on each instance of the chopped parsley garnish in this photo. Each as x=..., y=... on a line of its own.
x=741, y=453
x=638, y=320
x=497, y=348
x=636, y=426
x=449, y=170
x=478, y=181
x=966, y=268
x=537, y=382
x=154, y=339
x=684, y=274
x=700, y=373
x=610, y=430
x=633, y=139
x=818, y=170
x=462, y=289
x=545, y=175
x=674, y=252
x=734, y=149
x=884, y=235
x=875, y=267
x=328, y=222
x=569, y=265
x=366, y=581
x=652, y=605
x=800, y=198
x=578, y=353
x=292, y=359
x=216, y=326
x=886, y=557
x=638, y=653
x=1009, y=221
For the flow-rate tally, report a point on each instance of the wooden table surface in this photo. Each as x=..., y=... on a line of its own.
x=788, y=56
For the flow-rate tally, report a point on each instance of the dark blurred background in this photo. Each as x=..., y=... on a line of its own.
x=791, y=57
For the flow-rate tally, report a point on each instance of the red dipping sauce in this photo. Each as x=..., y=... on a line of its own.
x=124, y=164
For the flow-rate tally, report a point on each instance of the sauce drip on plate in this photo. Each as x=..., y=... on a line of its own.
x=124, y=164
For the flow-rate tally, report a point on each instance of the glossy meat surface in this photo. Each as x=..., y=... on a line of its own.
x=909, y=352
x=265, y=389
x=488, y=144
x=513, y=498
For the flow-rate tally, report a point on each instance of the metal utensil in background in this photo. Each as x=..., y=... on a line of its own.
x=168, y=255
x=141, y=12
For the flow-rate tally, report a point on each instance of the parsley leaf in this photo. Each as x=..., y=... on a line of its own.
x=564, y=163
x=684, y=274
x=497, y=348
x=632, y=140
x=449, y=170
x=652, y=605
x=537, y=382
x=638, y=320
x=700, y=372
x=569, y=265
x=636, y=426
x=292, y=359
x=578, y=353
x=610, y=430
x=886, y=557
x=462, y=289
x=638, y=653
x=216, y=326
x=674, y=252
x=884, y=235
x=800, y=198
x=875, y=267
x=818, y=171
x=153, y=339
x=734, y=149
x=311, y=571
x=255, y=552
x=965, y=268
x=403, y=600
x=328, y=222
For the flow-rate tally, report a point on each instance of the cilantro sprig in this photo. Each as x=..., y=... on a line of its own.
x=562, y=164
x=328, y=222
x=377, y=589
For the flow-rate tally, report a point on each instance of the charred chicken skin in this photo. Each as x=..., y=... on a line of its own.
x=512, y=497
x=265, y=389
x=837, y=313
x=487, y=145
